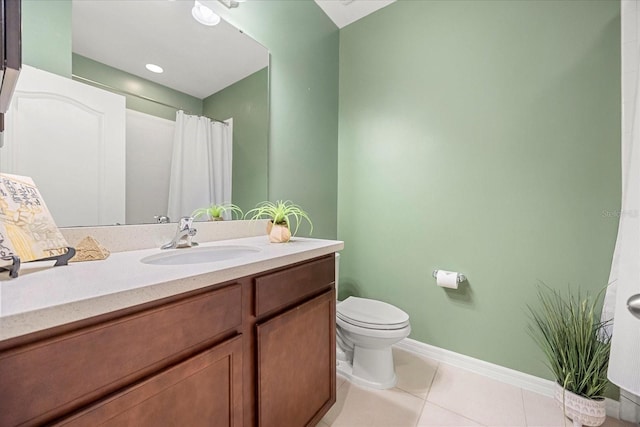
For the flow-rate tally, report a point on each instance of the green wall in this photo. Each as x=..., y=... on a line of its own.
x=303, y=131
x=46, y=35
x=123, y=81
x=247, y=101
x=481, y=137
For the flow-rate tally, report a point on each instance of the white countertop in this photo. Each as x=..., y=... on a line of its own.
x=52, y=296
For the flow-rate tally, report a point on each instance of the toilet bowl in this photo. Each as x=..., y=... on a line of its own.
x=366, y=330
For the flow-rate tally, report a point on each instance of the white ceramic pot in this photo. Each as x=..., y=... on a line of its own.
x=580, y=410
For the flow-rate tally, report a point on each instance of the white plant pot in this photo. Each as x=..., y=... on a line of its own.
x=580, y=410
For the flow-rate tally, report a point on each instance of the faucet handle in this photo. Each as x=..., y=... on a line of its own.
x=161, y=219
x=186, y=222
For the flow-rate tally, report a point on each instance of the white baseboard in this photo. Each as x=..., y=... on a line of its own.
x=629, y=406
x=497, y=372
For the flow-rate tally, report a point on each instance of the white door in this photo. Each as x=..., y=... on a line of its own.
x=70, y=138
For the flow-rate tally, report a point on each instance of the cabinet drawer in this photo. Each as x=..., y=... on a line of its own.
x=278, y=290
x=44, y=380
x=203, y=391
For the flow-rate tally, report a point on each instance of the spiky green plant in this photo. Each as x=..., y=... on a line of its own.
x=281, y=213
x=574, y=340
x=214, y=211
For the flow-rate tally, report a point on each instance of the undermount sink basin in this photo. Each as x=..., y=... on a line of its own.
x=199, y=255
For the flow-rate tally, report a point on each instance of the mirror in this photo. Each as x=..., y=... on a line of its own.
x=214, y=71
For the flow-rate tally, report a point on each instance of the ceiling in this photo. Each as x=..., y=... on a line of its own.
x=197, y=60
x=344, y=12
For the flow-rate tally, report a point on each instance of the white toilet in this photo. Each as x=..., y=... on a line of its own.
x=366, y=330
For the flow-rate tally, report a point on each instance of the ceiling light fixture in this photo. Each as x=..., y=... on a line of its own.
x=204, y=15
x=154, y=68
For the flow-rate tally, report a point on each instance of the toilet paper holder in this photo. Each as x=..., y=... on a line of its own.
x=459, y=278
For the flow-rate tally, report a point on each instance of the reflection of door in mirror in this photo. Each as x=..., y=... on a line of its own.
x=83, y=128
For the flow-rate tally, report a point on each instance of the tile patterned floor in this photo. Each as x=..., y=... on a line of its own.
x=429, y=393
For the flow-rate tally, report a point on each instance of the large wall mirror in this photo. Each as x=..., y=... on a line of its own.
x=216, y=72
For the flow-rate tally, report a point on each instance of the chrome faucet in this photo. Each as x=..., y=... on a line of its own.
x=183, y=236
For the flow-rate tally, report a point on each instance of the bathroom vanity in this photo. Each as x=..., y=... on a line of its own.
x=243, y=342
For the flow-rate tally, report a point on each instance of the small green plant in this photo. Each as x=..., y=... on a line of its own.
x=214, y=211
x=281, y=213
x=574, y=340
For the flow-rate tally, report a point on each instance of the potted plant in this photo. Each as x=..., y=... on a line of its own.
x=576, y=345
x=214, y=212
x=281, y=214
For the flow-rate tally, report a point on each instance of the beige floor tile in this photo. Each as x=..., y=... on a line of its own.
x=479, y=398
x=612, y=422
x=359, y=407
x=541, y=411
x=415, y=373
x=435, y=416
x=340, y=380
x=609, y=422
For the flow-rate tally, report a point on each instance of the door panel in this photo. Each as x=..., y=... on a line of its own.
x=70, y=138
x=203, y=391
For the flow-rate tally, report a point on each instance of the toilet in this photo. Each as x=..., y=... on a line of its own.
x=366, y=329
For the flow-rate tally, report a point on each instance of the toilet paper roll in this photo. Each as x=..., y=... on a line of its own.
x=447, y=279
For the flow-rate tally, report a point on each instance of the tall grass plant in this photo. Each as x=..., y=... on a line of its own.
x=574, y=340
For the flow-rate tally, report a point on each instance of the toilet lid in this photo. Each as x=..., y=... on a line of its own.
x=372, y=314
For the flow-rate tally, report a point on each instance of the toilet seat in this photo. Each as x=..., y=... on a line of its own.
x=371, y=314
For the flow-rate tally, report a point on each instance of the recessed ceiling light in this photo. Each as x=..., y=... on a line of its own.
x=154, y=68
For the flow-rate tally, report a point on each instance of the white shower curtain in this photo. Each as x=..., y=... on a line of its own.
x=624, y=280
x=200, y=165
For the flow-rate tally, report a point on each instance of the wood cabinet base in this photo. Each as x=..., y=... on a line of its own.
x=258, y=351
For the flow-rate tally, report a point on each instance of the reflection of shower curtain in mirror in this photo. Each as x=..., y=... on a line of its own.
x=200, y=165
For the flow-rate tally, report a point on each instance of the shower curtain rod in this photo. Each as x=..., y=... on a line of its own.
x=124, y=92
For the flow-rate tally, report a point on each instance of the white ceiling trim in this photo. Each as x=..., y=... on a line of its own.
x=344, y=12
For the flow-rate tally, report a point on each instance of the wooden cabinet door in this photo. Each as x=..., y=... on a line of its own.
x=297, y=364
x=204, y=390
